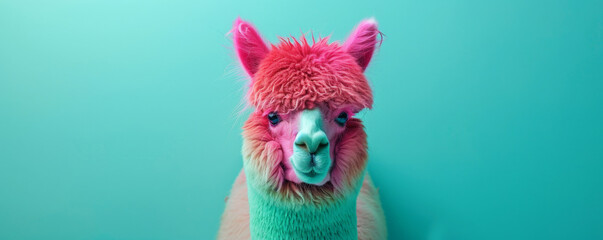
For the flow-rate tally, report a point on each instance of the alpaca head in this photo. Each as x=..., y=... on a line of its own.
x=302, y=141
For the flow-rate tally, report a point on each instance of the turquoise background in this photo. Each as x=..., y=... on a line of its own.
x=120, y=119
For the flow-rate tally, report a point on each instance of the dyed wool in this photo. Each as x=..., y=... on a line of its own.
x=304, y=154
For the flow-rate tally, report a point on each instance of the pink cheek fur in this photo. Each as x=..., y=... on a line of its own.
x=284, y=133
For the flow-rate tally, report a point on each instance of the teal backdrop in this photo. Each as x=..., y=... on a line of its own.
x=120, y=119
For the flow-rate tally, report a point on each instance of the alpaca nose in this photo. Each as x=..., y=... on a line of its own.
x=312, y=142
x=311, y=137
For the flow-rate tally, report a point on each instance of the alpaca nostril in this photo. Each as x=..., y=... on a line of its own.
x=321, y=146
x=302, y=146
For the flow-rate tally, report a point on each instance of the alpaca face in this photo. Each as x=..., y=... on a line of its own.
x=308, y=139
x=307, y=152
x=302, y=133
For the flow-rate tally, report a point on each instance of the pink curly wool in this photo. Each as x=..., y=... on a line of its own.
x=295, y=75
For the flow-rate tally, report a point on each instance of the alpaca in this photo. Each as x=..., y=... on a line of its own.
x=304, y=154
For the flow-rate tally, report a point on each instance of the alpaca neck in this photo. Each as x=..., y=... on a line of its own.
x=272, y=219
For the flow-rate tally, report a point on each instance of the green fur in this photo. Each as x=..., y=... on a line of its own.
x=270, y=219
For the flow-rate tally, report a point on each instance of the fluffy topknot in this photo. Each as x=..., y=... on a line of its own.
x=296, y=75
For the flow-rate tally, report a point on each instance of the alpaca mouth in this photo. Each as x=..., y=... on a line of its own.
x=312, y=174
x=310, y=170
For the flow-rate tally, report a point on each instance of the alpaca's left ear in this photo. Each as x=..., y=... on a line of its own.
x=361, y=43
x=249, y=46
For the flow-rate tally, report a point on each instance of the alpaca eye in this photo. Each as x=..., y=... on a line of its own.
x=342, y=118
x=273, y=118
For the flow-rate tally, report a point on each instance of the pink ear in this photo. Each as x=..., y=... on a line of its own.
x=361, y=43
x=249, y=46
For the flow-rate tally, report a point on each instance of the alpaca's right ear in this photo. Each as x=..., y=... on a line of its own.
x=249, y=46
